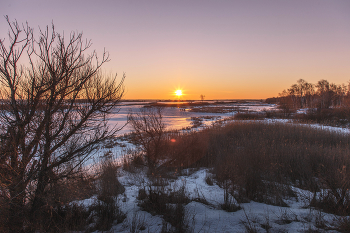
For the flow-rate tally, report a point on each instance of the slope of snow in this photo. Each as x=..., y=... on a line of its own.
x=210, y=217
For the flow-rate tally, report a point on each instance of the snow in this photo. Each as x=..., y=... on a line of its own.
x=315, y=126
x=210, y=217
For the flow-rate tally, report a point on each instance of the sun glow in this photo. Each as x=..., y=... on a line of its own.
x=178, y=93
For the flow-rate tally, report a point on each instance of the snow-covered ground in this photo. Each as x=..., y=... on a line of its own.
x=316, y=126
x=209, y=217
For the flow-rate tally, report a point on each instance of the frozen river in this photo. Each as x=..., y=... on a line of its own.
x=178, y=118
x=174, y=118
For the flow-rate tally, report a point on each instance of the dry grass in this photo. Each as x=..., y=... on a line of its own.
x=58, y=214
x=250, y=160
x=262, y=160
x=333, y=116
x=170, y=203
x=249, y=116
x=61, y=214
x=184, y=151
x=109, y=185
x=343, y=224
x=73, y=188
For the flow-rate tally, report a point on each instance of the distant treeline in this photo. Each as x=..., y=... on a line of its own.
x=321, y=95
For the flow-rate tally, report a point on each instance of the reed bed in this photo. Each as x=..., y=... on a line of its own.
x=262, y=161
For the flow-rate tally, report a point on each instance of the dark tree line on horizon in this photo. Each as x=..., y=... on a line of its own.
x=322, y=95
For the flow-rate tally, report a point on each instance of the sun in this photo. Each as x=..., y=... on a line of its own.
x=178, y=93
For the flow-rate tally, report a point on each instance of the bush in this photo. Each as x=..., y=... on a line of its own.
x=331, y=116
x=72, y=217
x=251, y=154
x=59, y=214
x=105, y=213
x=109, y=185
x=148, y=132
x=342, y=224
x=261, y=161
x=137, y=223
x=184, y=151
x=133, y=161
x=167, y=202
x=248, y=116
x=209, y=179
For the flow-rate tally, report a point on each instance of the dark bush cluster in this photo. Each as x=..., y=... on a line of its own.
x=248, y=116
x=333, y=116
x=62, y=213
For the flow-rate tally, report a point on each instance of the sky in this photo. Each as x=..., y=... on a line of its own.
x=249, y=49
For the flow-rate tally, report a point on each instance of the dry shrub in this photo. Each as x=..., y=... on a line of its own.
x=184, y=151
x=133, y=161
x=209, y=179
x=106, y=210
x=248, y=116
x=249, y=225
x=156, y=199
x=137, y=223
x=229, y=204
x=261, y=151
x=148, y=133
x=105, y=213
x=72, y=217
x=277, y=114
x=62, y=218
x=167, y=202
x=332, y=116
x=58, y=214
x=138, y=160
x=262, y=160
x=334, y=197
x=109, y=185
x=77, y=187
x=4, y=211
x=286, y=216
x=342, y=224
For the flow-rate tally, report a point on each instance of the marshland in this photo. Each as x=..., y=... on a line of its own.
x=174, y=116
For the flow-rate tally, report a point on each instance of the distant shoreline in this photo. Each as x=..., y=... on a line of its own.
x=183, y=100
x=186, y=103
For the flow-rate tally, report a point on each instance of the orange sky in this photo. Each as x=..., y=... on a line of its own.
x=243, y=49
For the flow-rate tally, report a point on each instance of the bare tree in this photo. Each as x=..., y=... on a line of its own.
x=148, y=128
x=53, y=113
x=300, y=93
x=285, y=103
x=324, y=93
x=309, y=94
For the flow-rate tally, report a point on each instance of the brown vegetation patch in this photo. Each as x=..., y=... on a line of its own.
x=261, y=161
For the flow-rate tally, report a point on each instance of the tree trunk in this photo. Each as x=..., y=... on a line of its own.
x=36, y=210
x=16, y=205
